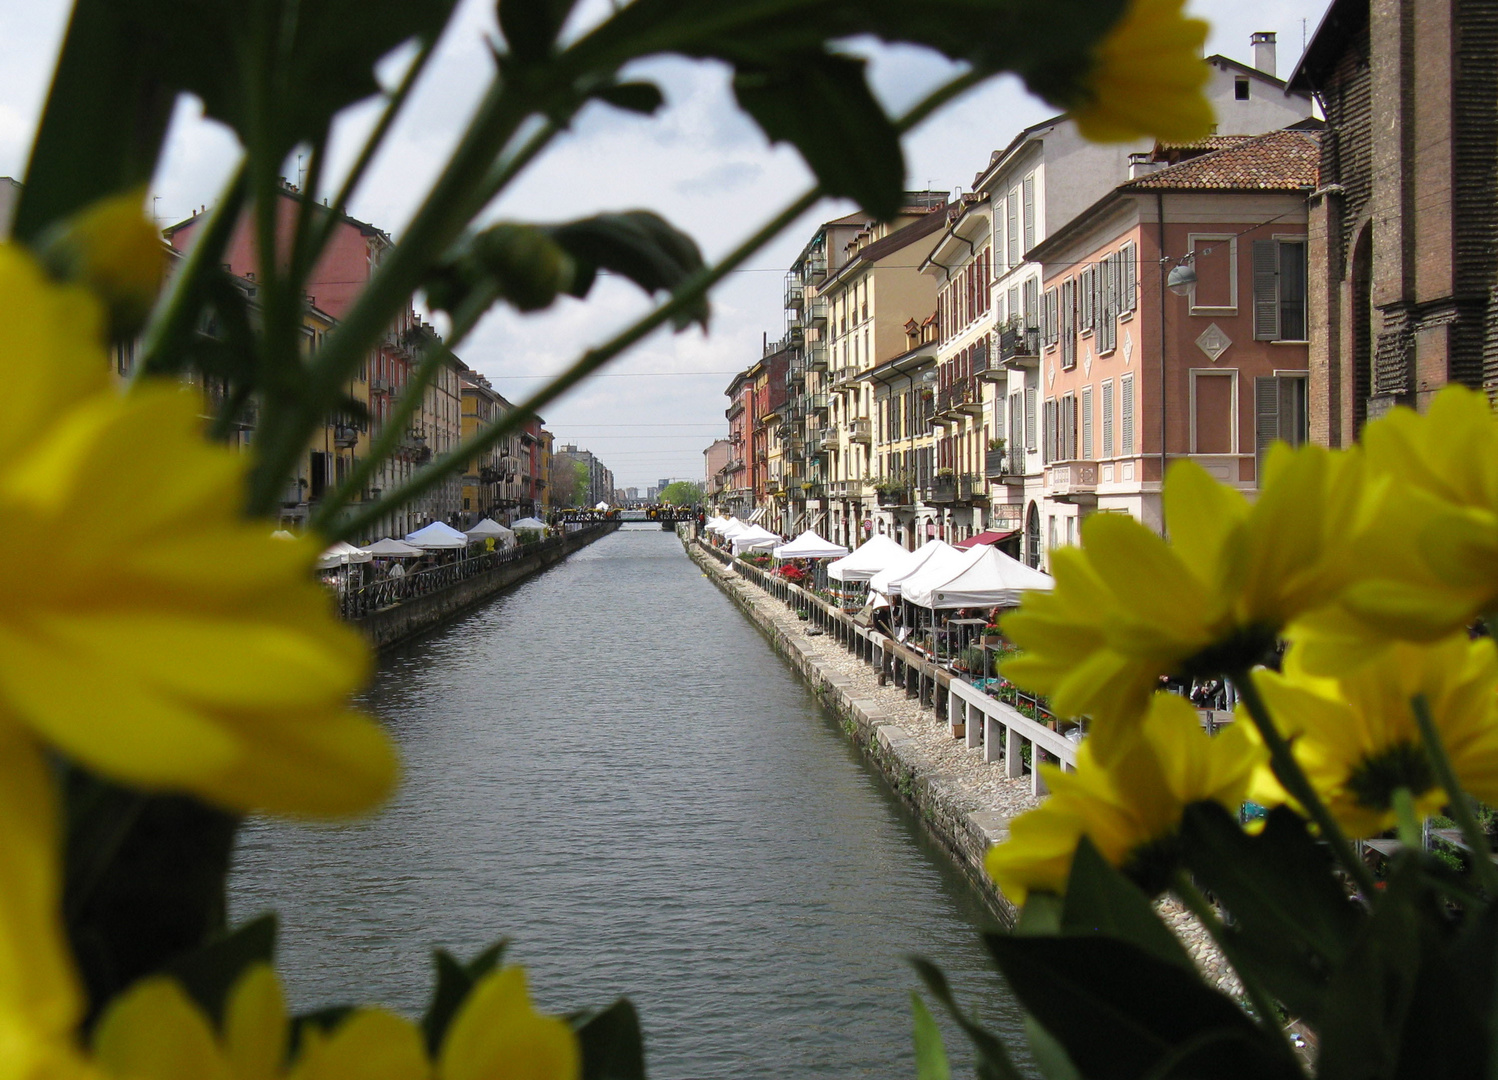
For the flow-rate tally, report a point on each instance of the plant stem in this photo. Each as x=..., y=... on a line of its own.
x=1461, y=809
x=1289, y=773
x=1404, y=817
x=1263, y=1003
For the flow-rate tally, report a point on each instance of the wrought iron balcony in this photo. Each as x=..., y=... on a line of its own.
x=1019, y=347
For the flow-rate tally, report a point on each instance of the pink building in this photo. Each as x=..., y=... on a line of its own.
x=1139, y=370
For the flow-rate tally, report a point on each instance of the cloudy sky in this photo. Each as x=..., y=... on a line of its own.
x=698, y=162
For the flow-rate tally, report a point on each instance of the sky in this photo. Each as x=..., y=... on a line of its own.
x=698, y=162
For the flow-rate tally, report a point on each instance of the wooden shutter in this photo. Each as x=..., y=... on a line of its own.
x=1068, y=323
x=1029, y=186
x=1086, y=423
x=1130, y=254
x=1085, y=299
x=1013, y=223
x=1105, y=406
x=1266, y=290
x=1126, y=405
x=1266, y=416
x=1030, y=442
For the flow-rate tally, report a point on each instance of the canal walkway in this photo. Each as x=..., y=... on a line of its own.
x=966, y=798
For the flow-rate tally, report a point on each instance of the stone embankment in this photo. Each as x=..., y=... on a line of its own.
x=965, y=802
x=400, y=622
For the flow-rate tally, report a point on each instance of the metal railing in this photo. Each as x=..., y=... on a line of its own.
x=373, y=596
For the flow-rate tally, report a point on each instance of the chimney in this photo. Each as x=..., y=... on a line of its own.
x=1264, y=60
x=1142, y=164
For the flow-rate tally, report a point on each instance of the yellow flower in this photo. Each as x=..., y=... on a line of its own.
x=1431, y=563
x=116, y=252
x=1131, y=810
x=148, y=631
x=154, y=1032
x=1129, y=608
x=1356, y=738
x=1147, y=78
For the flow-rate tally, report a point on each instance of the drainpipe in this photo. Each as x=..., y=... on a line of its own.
x=1160, y=227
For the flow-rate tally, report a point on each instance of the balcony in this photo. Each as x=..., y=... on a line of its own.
x=816, y=310
x=816, y=355
x=860, y=429
x=986, y=365
x=943, y=489
x=816, y=265
x=1072, y=481
x=816, y=402
x=843, y=378
x=1019, y=347
x=994, y=464
x=795, y=292
x=812, y=489
x=892, y=496
x=346, y=436
x=970, y=487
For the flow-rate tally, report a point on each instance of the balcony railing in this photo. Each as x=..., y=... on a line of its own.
x=816, y=309
x=816, y=355
x=943, y=489
x=893, y=496
x=812, y=489
x=970, y=487
x=816, y=402
x=860, y=429
x=993, y=464
x=1068, y=481
x=795, y=292
x=816, y=264
x=1019, y=346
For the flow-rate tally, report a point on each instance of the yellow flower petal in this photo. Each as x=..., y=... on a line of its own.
x=498, y=1034
x=370, y=1044
x=111, y=247
x=1148, y=78
x=153, y=1032
x=255, y=1026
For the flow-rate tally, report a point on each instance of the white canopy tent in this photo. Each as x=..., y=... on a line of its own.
x=342, y=554
x=888, y=580
x=993, y=579
x=601, y=506
x=715, y=523
x=437, y=536
x=939, y=569
x=873, y=555
x=753, y=538
x=528, y=523
x=393, y=549
x=732, y=527
x=489, y=529
x=810, y=546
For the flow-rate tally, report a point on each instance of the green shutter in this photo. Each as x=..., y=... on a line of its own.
x=1266, y=290
x=1266, y=417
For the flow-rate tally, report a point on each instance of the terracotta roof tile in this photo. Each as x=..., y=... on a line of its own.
x=1284, y=160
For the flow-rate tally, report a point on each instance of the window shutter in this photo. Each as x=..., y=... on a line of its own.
x=1105, y=405
x=1013, y=223
x=1029, y=186
x=1086, y=299
x=1130, y=277
x=1087, y=423
x=1266, y=290
x=1266, y=419
x=1068, y=323
x=1126, y=403
x=1030, y=443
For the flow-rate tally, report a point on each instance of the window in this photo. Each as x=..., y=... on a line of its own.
x=1213, y=427
x=1279, y=414
x=1068, y=325
x=1029, y=186
x=1031, y=443
x=1048, y=322
x=1129, y=254
x=1105, y=406
x=1279, y=290
x=1016, y=443
x=1216, y=262
x=1105, y=332
x=1085, y=298
x=1051, y=446
x=1126, y=421
x=1032, y=303
x=1013, y=223
x=1240, y=89
x=1086, y=423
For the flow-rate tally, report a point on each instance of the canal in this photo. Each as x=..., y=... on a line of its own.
x=610, y=766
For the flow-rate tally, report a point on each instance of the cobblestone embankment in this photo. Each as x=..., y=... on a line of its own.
x=966, y=803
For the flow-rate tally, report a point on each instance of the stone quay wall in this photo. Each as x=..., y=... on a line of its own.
x=400, y=622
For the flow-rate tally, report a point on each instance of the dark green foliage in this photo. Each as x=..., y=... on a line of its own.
x=455, y=980
x=612, y=1044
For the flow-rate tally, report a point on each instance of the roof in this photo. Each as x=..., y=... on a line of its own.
x=904, y=236
x=1284, y=160
x=291, y=193
x=1343, y=21
x=1247, y=69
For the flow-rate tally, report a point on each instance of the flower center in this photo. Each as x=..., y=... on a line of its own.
x=1153, y=863
x=1375, y=779
x=1241, y=649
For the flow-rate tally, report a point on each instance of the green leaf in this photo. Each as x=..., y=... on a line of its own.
x=993, y=1059
x=612, y=1046
x=531, y=27
x=324, y=1021
x=1050, y=1055
x=1100, y=900
x=1119, y=1011
x=455, y=980
x=930, y=1054
x=209, y=973
x=1041, y=915
x=636, y=97
x=637, y=244
x=820, y=103
x=1292, y=923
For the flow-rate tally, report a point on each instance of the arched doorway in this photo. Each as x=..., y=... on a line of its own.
x=1032, y=537
x=1362, y=328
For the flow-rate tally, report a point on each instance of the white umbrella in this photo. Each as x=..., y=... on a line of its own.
x=437, y=536
x=489, y=529
x=393, y=549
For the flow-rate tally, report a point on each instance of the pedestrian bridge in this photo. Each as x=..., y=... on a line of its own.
x=667, y=516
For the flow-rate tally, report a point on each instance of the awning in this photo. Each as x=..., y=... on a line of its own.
x=989, y=537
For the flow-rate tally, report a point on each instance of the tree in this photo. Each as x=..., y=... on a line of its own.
x=681, y=493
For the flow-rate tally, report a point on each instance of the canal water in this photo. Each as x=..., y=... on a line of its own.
x=611, y=767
